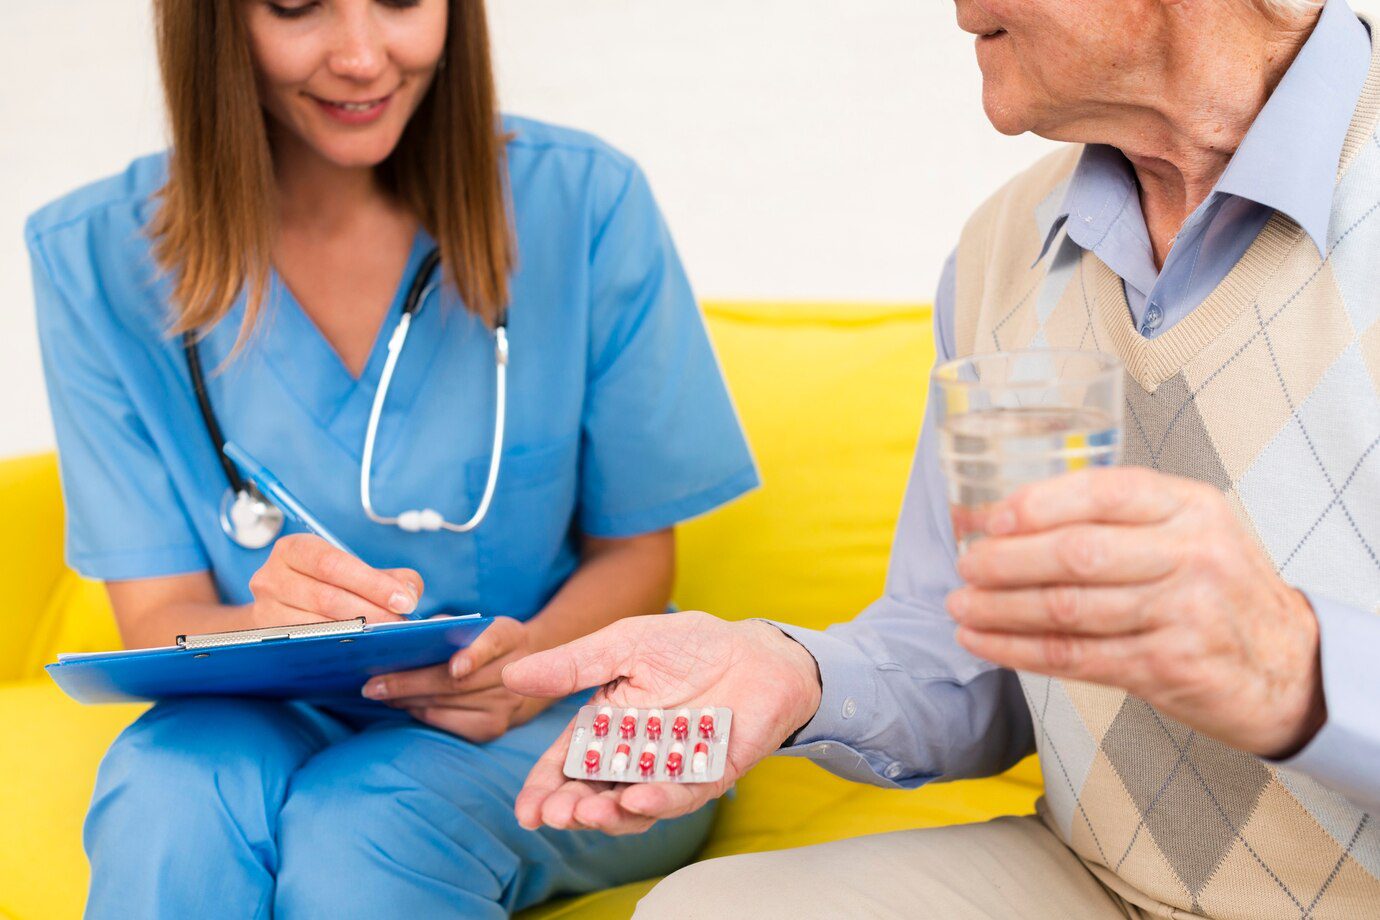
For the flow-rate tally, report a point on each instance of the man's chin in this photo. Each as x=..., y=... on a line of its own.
x=1008, y=118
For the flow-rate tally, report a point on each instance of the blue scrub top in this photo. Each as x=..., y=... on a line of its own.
x=619, y=422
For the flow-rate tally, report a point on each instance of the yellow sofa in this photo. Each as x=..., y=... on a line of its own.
x=831, y=396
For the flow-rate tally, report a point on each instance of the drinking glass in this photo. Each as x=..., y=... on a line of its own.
x=1011, y=418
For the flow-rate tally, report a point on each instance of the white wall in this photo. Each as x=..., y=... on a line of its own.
x=810, y=149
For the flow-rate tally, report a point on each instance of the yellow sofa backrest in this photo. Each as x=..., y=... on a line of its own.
x=831, y=396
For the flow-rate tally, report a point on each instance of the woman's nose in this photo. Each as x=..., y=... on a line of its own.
x=358, y=52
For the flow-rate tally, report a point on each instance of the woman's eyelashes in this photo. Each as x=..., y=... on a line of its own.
x=284, y=11
x=295, y=11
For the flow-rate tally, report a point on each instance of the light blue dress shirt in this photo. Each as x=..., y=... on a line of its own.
x=903, y=703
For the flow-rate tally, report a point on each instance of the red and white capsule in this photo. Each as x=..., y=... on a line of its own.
x=675, y=759
x=699, y=761
x=621, y=755
x=601, y=721
x=680, y=728
x=593, y=752
x=628, y=727
x=707, y=722
x=653, y=728
x=647, y=762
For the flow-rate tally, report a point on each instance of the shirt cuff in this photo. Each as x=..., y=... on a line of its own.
x=847, y=708
x=1344, y=752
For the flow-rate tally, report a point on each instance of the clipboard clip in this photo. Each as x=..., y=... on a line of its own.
x=271, y=633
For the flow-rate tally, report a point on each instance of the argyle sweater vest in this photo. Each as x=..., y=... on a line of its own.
x=1268, y=390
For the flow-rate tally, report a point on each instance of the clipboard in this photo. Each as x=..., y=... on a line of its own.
x=314, y=661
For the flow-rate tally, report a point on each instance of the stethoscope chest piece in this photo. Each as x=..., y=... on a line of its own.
x=249, y=520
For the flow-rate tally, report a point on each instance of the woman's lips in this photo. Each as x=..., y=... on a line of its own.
x=354, y=113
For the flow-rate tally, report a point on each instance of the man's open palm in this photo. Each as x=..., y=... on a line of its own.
x=665, y=661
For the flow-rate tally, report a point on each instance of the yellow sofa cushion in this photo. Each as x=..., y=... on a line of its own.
x=831, y=397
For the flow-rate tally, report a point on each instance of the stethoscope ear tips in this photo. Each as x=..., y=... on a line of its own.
x=248, y=520
x=425, y=520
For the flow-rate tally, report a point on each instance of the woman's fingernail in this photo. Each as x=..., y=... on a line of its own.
x=459, y=667
x=958, y=604
x=402, y=602
x=1002, y=521
x=375, y=690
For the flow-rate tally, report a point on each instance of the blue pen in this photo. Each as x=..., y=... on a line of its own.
x=276, y=492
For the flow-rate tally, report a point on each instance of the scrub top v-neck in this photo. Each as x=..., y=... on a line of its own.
x=619, y=422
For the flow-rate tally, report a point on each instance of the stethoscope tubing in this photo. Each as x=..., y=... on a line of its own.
x=413, y=520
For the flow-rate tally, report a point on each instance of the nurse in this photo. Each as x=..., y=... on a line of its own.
x=320, y=150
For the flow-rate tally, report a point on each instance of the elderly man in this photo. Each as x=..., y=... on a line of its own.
x=1188, y=639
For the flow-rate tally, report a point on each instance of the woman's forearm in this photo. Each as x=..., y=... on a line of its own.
x=155, y=611
x=617, y=578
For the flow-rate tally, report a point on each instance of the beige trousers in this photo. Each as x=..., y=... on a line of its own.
x=1000, y=870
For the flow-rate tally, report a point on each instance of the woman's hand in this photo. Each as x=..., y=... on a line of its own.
x=668, y=661
x=466, y=696
x=306, y=580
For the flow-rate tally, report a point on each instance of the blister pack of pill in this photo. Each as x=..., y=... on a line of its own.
x=616, y=745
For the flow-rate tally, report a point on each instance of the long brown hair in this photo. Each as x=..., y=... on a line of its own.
x=214, y=228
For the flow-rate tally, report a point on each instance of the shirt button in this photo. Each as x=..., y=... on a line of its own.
x=893, y=771
x=850, y=708
x=1154, y=316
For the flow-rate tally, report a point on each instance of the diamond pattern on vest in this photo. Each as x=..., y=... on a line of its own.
x=1310, y=490
x=1274, y=399
x=1164, y=430
x=1170, y=771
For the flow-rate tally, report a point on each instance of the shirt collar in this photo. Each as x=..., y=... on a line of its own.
x=1288, y=159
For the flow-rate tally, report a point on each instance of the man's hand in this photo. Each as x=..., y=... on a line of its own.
x=1134, y=579
x=668, y=660
x=466, y=696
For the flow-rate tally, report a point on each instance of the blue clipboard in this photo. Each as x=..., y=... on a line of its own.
x=315, y=661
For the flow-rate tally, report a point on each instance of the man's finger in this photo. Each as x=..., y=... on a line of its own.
x=587, y=662
x=660, y=801
x=1086, y=554
x=1119, y=495
x=559, y=809
x=545, y=777
x=603, y=812
x=1088, y=611
x=1117, y=661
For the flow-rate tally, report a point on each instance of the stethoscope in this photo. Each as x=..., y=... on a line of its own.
x=252, y=521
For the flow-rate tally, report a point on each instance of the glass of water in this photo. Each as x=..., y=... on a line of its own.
x=1010, y=418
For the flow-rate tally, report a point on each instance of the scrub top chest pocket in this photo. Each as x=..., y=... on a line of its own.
x=521, y=564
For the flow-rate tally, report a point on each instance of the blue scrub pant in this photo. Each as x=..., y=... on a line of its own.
x=240, y=809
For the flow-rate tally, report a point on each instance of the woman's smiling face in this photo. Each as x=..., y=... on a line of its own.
x=344, y=76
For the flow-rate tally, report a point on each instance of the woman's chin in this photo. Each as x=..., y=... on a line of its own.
x=355, y=152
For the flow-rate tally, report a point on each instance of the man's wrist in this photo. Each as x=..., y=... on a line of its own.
x=809, y=685
x=1311, y=708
